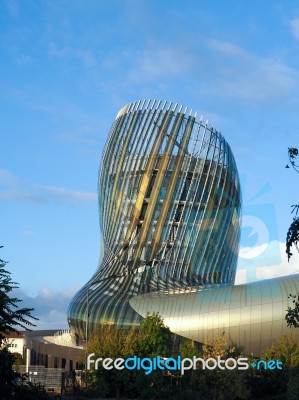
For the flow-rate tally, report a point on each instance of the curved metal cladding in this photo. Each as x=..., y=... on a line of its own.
x=251, y=315
x=169, y=206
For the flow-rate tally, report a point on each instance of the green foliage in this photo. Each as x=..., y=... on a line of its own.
x=18, y=359
x=6, y=373
x=292, y=236
x=11, y=317
x=188, y=349
x=286, y=350
x=108, y=341
x=293, y=231
x=293, y=385
x=277, y=382
x=30, y=391
x=12, y=385
x=154, y=339
x=111, y=342
x=292, y=316
x=197, y=384
x=217, y=346
x=221, y=384
x=293, y=152
x=267, y=384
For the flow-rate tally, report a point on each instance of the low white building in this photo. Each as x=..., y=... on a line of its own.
x=48, y=348
x=15, y=343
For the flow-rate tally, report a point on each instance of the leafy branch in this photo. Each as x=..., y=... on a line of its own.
x=292, y=316
x=293, y=153
x=293, y=231
x=11, y=316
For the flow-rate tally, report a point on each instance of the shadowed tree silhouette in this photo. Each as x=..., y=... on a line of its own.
x=293, y=231
x=11, y=318
x=292, y=316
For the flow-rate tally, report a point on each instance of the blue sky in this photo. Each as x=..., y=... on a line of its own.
x=67, y=67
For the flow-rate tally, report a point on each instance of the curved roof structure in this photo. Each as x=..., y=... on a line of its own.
x=252, y=315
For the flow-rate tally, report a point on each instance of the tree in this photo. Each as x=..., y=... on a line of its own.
x=292, y=316
x=154, y=339
x=293, y=231
x=107, y=342
x=220, y=384
x=285, y=350
x=11, y=318
x=18, y=359
x=188, y=349
x=218, y=346
x=286, y=380
x=151, y=339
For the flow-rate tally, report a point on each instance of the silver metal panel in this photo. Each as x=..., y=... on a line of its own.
x=252, y=326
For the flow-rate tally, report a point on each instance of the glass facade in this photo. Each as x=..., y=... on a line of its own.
x=169, y=207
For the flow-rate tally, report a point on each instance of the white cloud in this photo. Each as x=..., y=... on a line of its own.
x=21, y=196
x=83, y=135
x=166, y=62
x=42, y=107
x=50, y=307
x=68, y=52
x=252, y=252
x=17, y=190
x=277, y=266
x=73, y=196
x=243, y=74
x=53, y=320
x=7, y=178
x=24, y=59
x=28, y=233
x=215, y=67
x=295, y=28
x=227, y=48
x=240, y=277
x=12, y=7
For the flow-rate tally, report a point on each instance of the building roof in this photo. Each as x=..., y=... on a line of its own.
x=13, y=335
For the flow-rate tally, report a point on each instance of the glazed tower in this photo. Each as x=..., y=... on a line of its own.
x=169, y=208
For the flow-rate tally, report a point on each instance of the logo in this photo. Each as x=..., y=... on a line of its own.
x=178, y=364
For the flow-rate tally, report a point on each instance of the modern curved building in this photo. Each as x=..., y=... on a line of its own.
x=252, y=315
x=169, y=206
